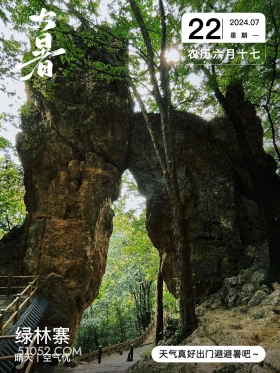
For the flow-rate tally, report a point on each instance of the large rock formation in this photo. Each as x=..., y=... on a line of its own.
x=223, y=219
x=219, y=326
x=74, y=149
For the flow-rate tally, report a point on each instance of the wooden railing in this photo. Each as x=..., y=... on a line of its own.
x=24, y=367
x=119, y=346
x=21, y=300
x=30, y=366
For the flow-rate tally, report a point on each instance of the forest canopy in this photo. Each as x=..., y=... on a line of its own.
x=88, y=22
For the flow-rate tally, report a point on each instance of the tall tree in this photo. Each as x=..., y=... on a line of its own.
x=165, y=153
x=159, y=306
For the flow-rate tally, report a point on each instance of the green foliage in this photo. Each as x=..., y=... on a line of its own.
x=118, y=314
x=131, y=265
x=170, y=304
x=3, y=143
x=12, y=208
x=172, y=334
x=27, y=109
x=10, y=49
x=261, y=82
x=147, y=355
x=191, y=86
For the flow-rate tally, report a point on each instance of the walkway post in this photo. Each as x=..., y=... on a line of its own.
x=99, y=354
x=131, y=352
x=29, y=293
x=1, y=320
x=17, y=306
x=20, y=368
x=9, y=285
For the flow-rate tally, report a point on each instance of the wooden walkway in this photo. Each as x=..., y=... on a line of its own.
x=15, y=296
x=5, y=301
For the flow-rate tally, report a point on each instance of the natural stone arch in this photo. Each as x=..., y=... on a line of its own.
x=74, y=150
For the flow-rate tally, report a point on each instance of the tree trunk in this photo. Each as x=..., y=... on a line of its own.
x=186, y=297
x=183, y=249
x=159, y=309
x=164, y=151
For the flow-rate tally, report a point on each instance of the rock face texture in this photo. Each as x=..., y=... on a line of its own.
x=74, y=149
x=12, y=252
x=223, y=219
x=220, y=326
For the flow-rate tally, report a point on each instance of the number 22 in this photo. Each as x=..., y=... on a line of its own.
x=210, y=33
